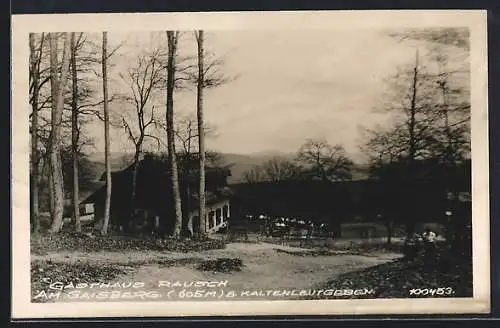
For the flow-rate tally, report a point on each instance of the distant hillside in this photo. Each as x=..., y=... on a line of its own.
x=240, y=163
x=118, y=160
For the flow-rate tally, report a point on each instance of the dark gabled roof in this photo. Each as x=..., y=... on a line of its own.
x=226, y=169
x=92, y=189
x=116, y=172
x=152, y=183
x=96, y=195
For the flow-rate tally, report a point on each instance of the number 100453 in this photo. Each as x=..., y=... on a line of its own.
x=441, y=291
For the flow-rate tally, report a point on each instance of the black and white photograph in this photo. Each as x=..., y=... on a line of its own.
x=250, y=163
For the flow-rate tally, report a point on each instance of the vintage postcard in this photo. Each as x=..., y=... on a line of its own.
x=257, y=163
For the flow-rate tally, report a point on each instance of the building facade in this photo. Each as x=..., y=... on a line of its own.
x=153, y=207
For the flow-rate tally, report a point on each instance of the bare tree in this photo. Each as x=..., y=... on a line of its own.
x=74, y=133
x=411, y=102
x=201, y=132
x=144, y=80
x=57, y=86
x=408, y=139
x=275, y=169
x=253, y=175
x=451, y=137
x=80, y=94
x=411, y=113
x=324, y=161
x=35, y=61
x=186, y=136
x=208, y=76
x=186, y=133
x=172, y=39
x=448, y=104
x=452, y=116
x=82, y=110
x=431, y=111
x=279, y=169
x=431, y=123
x=107, y=161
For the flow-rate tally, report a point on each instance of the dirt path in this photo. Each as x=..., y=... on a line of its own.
x=264, y=268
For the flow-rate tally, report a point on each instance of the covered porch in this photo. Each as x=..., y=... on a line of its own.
x=217, y=215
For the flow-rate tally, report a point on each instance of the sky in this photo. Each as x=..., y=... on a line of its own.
x=289, y=86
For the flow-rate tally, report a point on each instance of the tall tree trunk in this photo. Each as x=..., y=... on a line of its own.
x=410, y=224
x=135, y=171
x=50, y=182
x=107, y=203
x=74, y=135
x=171, y=66
x=57, y=91
x=134, y=179
x=186, y=192
x=201, y=133
x=413, y=113
x=35, y=76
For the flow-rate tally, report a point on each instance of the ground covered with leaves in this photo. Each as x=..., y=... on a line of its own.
x=317, y=252
x=225, y=265
x=443, y=276
x=336, y=245
x=85, y=242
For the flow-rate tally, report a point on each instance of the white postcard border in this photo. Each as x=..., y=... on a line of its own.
x=24, y=24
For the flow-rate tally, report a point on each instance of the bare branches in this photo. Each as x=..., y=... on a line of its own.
x=129, y=132
x=37, y=77
x=34, y=76
x=159, y=143
x=254, y=175
x=431, y=104
x=95, y=48
x=279, y=169
x=186, y=132
x=213, y=75
x=152, y=119
x=83, y=108
x=145, y=81
x=86, y=60
x=324, y=161
x=112, y=52
x=187, y=72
